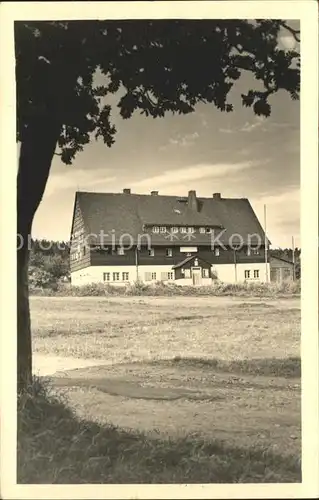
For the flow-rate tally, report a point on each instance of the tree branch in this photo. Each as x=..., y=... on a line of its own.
x=295, y=33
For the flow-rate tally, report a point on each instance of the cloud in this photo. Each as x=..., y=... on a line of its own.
x=226, y=130
x=197, y=172
x=77, y=179
x=249, y=126
x=283, y=216
x=181, y=140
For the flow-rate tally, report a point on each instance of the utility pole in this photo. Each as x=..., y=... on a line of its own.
x=266, y=242
x=293, y=259
x=136, y=262
x=235, y=264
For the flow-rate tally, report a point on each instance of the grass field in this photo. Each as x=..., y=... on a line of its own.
x=200, y=389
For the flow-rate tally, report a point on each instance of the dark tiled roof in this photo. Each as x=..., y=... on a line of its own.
x=274, y=257
x=116, y=214
x=188, y=259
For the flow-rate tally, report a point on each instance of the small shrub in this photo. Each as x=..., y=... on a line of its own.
x=160, y=289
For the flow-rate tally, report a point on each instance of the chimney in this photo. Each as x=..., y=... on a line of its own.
x=126, y=191
x=154, y=193
x=192, y=201
x=217, y=196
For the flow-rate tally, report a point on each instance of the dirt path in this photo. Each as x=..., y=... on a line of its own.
x=171, y=400
x=45, y=365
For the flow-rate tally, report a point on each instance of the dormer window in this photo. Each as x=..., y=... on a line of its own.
x=202, y=230
x=255, y=250
x=155, y=229
x=169, y=252
x=190, y=230
x=163, y=229
x=174, y=229
x=183, y=230
x=208, y=230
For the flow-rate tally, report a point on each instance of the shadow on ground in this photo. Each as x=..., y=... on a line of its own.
x=55, y=446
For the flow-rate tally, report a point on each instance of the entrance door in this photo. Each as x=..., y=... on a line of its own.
x=197, y=275
x=275, y=274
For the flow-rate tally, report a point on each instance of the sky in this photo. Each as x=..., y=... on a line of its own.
x=237, y=154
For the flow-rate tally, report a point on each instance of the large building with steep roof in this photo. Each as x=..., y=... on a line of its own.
x=124, y=237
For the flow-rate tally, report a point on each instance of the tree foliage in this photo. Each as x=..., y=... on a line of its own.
x=160, y=66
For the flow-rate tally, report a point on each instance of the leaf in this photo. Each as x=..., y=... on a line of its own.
x=262, y=108
x=157, y=66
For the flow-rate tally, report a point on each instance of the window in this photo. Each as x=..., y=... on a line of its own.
x=256, y=273
x=247, y=275
x=125, y=276
x=169, y=252
x=116, y=276
x=120, y=251
x=187, y=273
x=208, y=230
x=174, y=229
x=248, y=251
x=165, y=276
x=182, y=271
x=286, y=272
x=190, y=230
x=205, y=273
x=217, y=252
x=155, y=229
x=106, y=276
x=84, y=251
x=153, y=276
x=183, y=230
x=151, y=252
x=255, y=251
x=202, y=230
x=162, y=229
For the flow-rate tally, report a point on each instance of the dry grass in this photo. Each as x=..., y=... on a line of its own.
x=159, y=289
x=136, y=329
x=54, y=446
x=199, y=389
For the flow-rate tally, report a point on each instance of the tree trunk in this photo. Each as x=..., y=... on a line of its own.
x=37, y=149
x=24, y=327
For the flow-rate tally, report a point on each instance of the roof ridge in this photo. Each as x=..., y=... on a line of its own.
x=158, y=195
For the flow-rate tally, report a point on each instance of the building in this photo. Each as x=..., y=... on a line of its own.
x=281, y=269
x=123, y=237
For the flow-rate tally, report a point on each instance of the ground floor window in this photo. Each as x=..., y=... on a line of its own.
x=205, y=273
x=170, y=275
x=125, y=276
x=153, y=276
x=116, y=276
x=256, y=273
x=106, y=276
x=247, y=274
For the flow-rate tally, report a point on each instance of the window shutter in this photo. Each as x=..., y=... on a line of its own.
x=164, y=276
x=148, y=276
